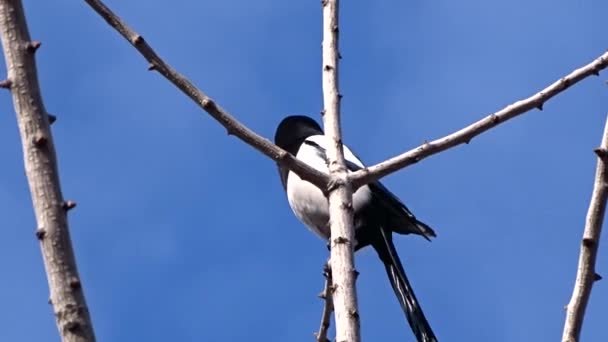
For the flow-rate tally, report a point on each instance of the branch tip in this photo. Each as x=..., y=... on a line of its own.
x=32, y=46
x=6, y=84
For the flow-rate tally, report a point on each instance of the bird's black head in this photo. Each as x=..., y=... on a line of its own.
x=293, y=130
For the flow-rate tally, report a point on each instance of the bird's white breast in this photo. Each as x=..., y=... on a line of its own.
x=307, y=201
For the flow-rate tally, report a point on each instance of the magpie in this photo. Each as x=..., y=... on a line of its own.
x=377, y=212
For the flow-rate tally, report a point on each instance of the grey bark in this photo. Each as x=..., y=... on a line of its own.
x=340, y=191
x=66, y=294
x=586, y=275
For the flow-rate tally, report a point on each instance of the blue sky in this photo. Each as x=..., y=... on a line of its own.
x=184, y=234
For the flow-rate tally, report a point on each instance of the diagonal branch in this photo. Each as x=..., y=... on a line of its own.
x=586, y=274
x=465, y=135
x=233, y=126
x=340, y=196
x=328, y=307
x=66, y=293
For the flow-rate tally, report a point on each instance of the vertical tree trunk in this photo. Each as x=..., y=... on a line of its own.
x=340, y=192
x=66, y=295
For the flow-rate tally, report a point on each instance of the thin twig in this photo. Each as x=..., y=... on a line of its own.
x=586, y=274
x=233, y=126
x=328, y=306
x=465, y=135
x=340, y=196
x=66, y=293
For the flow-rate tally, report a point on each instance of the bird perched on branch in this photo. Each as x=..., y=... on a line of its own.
x=377, y=212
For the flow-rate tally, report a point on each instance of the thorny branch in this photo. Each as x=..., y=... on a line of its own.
x=586, y=275
x=328, y=307
x=465, y=135
x=66, y=293
x=340, y=198
x=233, y=126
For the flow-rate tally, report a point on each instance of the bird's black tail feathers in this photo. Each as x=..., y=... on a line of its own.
x=388, y=254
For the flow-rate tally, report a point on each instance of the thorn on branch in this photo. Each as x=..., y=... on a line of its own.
x=328, y=67
x=72, y=326
x=587, y=242
x=40, y=139
x=565, y=82
x=335, y=28
x=50, y=301
x=339, y=55
x=6, y=84
x=68, y=205
x=540, y=106
x=601, y=153
x=40, y=233
x=208, y=105
x=340, y=96
x=356, y=274
x=32, y=46
x=52, y=118
x=152, y=66
x=138, y=39
x=354, y=314
x=597, y=277
x=324, y=3
x=340, y=240
x=75, y=283
x=495, y=119
x=322, y=112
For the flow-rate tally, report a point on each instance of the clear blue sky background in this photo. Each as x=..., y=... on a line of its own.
x=184, y=234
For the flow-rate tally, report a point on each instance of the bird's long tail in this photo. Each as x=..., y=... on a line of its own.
x=405, y=294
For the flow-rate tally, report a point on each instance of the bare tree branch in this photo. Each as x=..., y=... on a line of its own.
x=328, y=307
x=233, y=126
x=340, y=196
x=586, y=275
x=66, y=293
x=465, y=135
